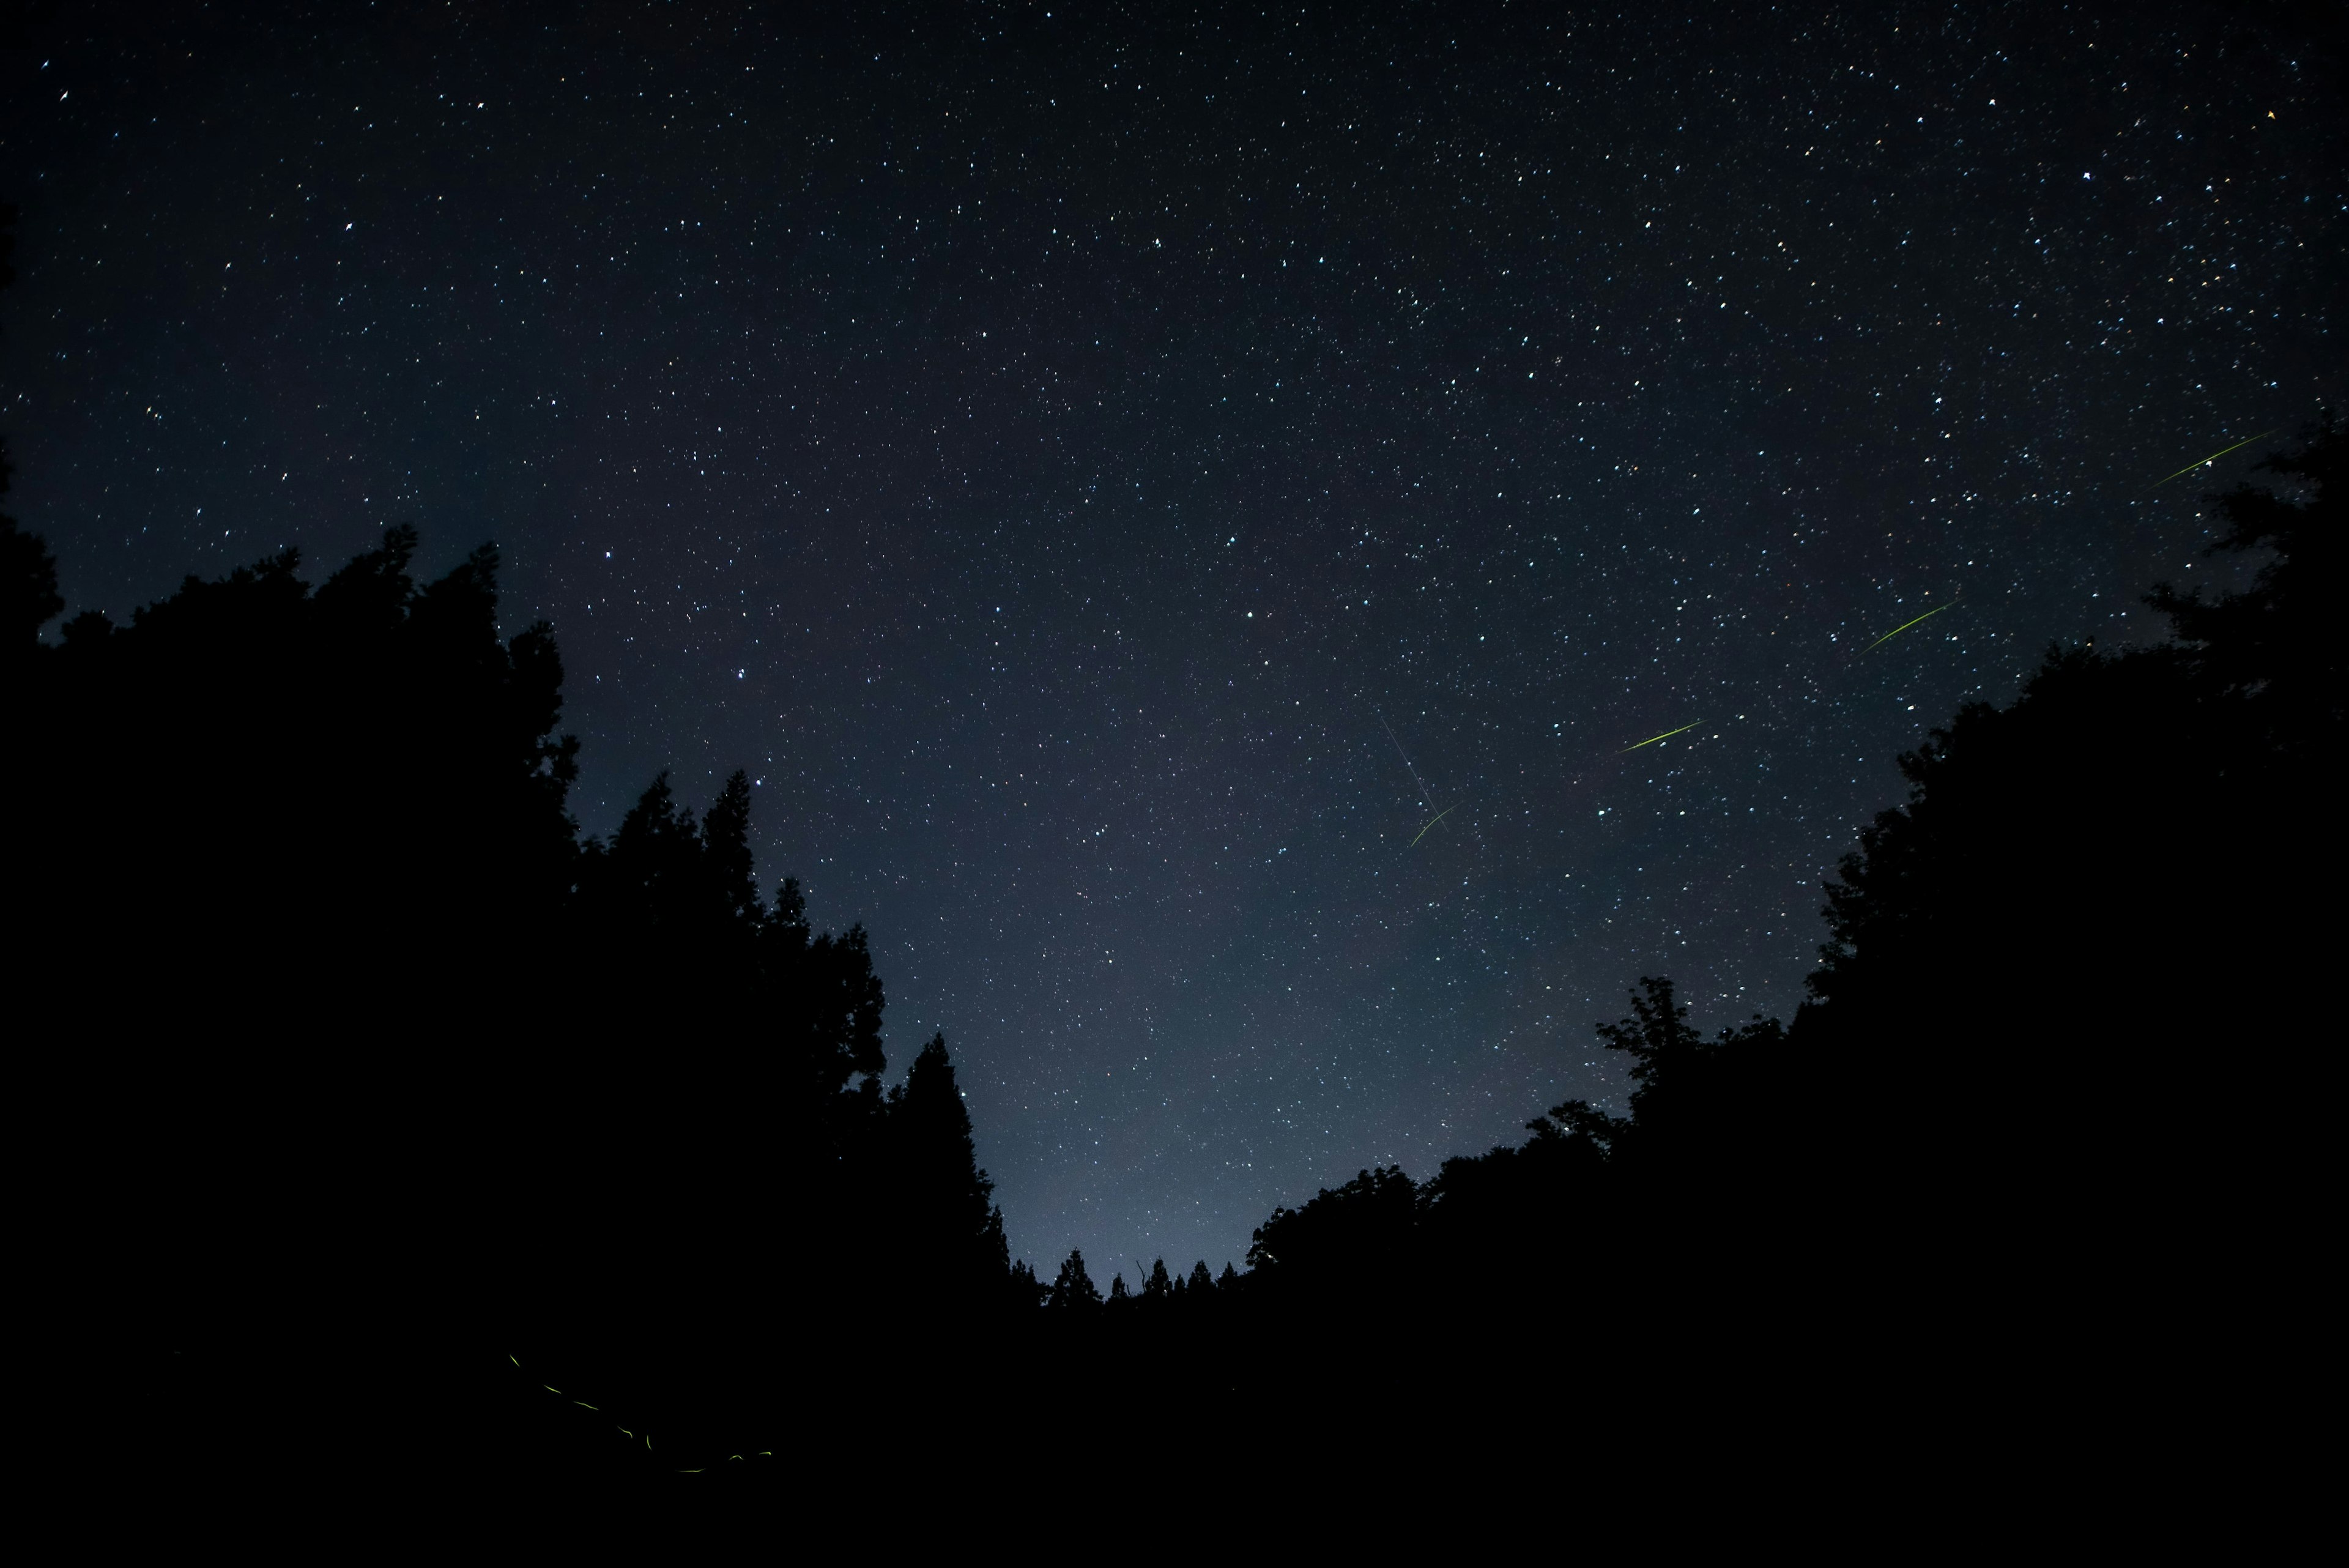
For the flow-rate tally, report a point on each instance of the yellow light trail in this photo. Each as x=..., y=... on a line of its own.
x=1432, y=821
x=2212, y=458
x=768, y=1453
x=1905, y=625
x=1667, y=735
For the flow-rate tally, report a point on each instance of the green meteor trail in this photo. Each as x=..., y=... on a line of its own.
x=2212, y=458
x=1929, y=615
x=1432, y=821
x=1651, y=740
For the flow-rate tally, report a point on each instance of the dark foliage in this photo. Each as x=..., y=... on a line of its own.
x=2104, y=886
x=2109, y=889
x=387, y=1051
x=2269, y=644
x=1073, y=1290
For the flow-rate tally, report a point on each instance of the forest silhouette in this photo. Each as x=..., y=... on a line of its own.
x=357, y=1043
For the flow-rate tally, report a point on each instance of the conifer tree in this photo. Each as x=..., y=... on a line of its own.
x=941, y=1197
x=1074, y=1289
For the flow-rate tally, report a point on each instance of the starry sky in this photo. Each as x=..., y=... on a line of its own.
x=1182, y=512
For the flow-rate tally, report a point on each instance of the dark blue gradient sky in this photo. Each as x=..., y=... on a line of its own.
x=1051, y=448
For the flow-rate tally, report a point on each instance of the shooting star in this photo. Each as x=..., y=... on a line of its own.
x=1424, y=800
x=1667, y=735
x=2212, y=458
x=1432, y=821
x=1929, y=615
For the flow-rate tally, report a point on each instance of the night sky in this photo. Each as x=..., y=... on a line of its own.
x=1113, y=477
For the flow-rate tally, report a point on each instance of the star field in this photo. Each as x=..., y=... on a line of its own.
x=1114, y=478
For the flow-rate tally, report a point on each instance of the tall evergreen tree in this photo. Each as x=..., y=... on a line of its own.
x=726, y=838
x=1073, y=1288
x=942, y=1210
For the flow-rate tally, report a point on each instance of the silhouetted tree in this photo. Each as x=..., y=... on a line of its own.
x=1074, y=1289
x=299, y=891
x=2271, y=644
x=1026, y=1291
x=1328, y=1245
x=29, y=588
x=2091, y=897
x=2084, y=895
x=943, y=1216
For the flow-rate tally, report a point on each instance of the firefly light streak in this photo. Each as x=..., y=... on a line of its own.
x=645, y=1437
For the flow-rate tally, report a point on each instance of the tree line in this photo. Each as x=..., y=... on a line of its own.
x=326, y=975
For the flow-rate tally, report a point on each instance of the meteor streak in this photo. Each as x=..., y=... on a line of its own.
x=2212, y=458
x=1929, y=615
x=1667, y=735
x=1421, y=782
x=1432, y=821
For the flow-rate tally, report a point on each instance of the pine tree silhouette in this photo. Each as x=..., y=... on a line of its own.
x=1073, y=1290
